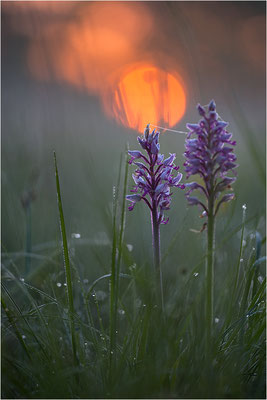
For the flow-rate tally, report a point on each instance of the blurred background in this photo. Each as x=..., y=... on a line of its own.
x=83, y=79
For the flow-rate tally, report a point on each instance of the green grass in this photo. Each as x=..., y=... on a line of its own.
x=105, y=337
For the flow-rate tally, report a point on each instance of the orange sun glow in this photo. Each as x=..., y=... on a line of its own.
x=147, y=94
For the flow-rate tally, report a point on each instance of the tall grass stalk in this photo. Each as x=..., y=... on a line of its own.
x=28, y=249
x=67, y=265
x=117, y=246
x=113, y=285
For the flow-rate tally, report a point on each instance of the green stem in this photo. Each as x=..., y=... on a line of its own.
x=156, y=251
x=210, y=272
x=28, y=240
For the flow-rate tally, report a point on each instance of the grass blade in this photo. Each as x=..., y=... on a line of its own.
x=66, y=263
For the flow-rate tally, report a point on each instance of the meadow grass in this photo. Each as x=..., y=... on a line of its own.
x=66, y=337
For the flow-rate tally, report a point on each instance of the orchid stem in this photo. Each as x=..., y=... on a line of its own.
x=210, y=273
x=156, y=250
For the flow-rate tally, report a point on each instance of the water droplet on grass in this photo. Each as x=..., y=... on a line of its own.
x=59, y=284
x=22, y=279
x=132, y=267
x=195, y=273
x=216, y=320
x=23, y=337
x=121, y=312
x=244, y=206
x=241, y=260
x=65, y=284
x=75, y=235
x=129, y=247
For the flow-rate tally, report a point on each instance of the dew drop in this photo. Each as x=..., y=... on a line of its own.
x=60, y=338
x=23, y=337
x=22, y=279
x=85, y=343
x=65, y=284
x=216, y=320
x=59, y=284
x=195, y=274
x=75, y=235
x=121, y=312
x=129, y=247
x=244, y=206
x=241, y=260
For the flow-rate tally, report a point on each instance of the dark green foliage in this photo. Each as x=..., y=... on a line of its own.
x=106, y=337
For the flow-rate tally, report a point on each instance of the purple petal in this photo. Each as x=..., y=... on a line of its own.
x=160, y=158
x=142, y=143
x=154, y=147
x=201, y=110
x=177, y=179
x=212, y=106
x=161, y=188
x=135, y=153
x=133, y=197
x=170, y=159
x=192, y=127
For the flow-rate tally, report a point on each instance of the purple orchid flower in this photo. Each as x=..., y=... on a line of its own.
x=209, y=155
x=154, y=178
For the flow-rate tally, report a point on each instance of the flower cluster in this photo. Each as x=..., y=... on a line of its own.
x=211, y=156
x=154, y=176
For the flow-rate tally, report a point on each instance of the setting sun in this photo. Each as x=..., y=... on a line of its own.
x=147, y=94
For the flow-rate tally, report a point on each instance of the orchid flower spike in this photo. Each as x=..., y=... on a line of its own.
x=210, y=154
x=154, y=176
